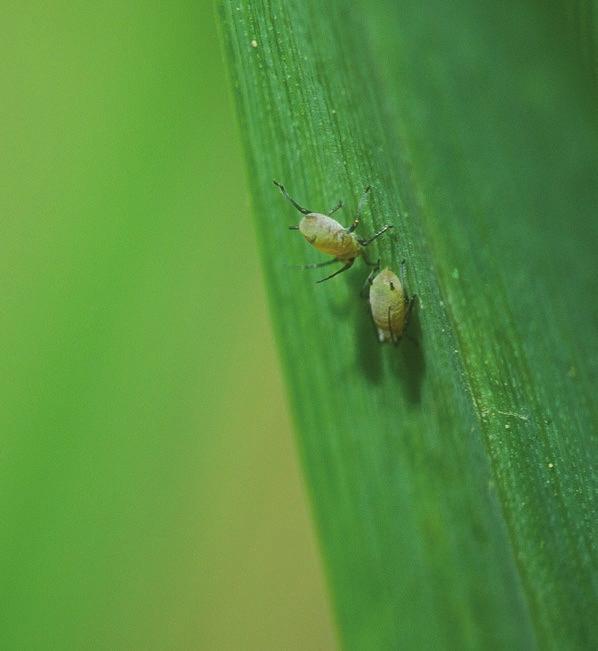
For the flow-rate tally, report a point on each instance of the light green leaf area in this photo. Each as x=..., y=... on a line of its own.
x=451, y=478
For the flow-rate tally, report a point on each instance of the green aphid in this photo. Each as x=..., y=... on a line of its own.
x=389, y=304
x=331, y=237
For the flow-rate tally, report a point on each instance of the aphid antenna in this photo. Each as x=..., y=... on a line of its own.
x=338, y=206
x=363, y=200
x=402, y=272
x=290, y=199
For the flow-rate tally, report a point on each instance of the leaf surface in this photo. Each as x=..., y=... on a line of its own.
x=451, y=478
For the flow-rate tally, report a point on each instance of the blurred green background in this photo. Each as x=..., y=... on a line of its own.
x=150, y=496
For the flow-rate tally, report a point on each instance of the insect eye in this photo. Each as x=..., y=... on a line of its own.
x=391, y=284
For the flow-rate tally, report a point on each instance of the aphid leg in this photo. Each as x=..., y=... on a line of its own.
x=346, y=266
x=410, y=300
x=338, y=206
x=376, y=235
x=354, y=225
x=374, y=271
x=290, y=199
x=369, y=263
x=360, y=205
x=393, y=339
x=368, y=281
x=315, y=265
x=402, y=275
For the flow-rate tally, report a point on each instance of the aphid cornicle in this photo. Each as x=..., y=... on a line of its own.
x=389, y=304
x=331, y=237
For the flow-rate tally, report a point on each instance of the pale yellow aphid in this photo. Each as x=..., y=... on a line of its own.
x=329, y=236
x=390, y=305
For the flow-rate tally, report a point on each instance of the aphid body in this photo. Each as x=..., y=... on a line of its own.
x=390, y=306
x=329, y=236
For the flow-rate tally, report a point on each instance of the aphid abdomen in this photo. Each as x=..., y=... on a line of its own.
x=330, y=237
x=388, y=306
x=390, y=323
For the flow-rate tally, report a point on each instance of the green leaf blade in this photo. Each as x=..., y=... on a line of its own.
x=421, y=460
